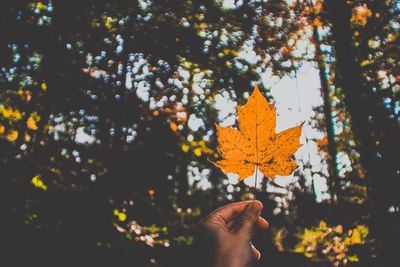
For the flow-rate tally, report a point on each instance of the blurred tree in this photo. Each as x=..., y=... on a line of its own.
x=362, y=117
x=361, y=30
x=363, y=54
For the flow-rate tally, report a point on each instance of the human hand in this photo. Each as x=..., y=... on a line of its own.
x=225, y=235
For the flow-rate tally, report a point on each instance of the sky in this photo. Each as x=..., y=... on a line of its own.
x=294, y=98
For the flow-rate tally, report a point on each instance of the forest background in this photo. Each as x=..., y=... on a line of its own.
x=107, y=126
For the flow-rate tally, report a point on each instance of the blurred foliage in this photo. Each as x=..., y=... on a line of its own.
x=331, y=244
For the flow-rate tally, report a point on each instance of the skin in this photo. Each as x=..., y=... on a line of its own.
x=225, y=235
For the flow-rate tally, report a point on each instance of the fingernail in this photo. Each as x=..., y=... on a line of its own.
x=256, y=206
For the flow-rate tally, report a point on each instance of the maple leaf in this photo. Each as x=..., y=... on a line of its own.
x=256, y=144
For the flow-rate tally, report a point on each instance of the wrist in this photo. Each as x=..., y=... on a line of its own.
x=226, y=260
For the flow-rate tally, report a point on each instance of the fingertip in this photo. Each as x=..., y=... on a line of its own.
x=262, y=223
x=257, y=206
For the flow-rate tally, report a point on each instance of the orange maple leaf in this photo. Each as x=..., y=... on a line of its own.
x=256, y=144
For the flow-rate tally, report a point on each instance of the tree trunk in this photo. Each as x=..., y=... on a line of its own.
x=334, y=183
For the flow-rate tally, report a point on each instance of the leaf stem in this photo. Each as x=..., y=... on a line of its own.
x=255, y=182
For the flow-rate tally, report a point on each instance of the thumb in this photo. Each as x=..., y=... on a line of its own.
x=249, y=218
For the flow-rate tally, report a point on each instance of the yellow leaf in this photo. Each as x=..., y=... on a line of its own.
x=43, y=86
x=365, y=63
x=197, y=152
x=121, y=216
x=152, y=192
x=353, y=258
x=38, y=182
x=185, y=148
x=360, y=15
x=12, y=135
x=31, y=123
x=317, y=23
x=391, y=37
x=27, y=137
x=40, y=6
x=173, y=126
x=2, y=129
x=10, y=113
x=256, y=144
